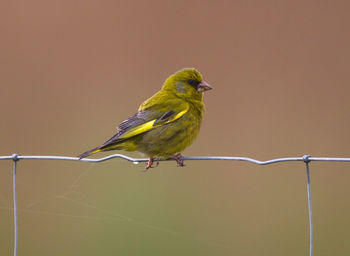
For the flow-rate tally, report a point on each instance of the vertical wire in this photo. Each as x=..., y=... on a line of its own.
x=14, y=207
x=310, y=208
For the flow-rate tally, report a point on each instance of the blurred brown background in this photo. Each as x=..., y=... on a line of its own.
x=72, y=70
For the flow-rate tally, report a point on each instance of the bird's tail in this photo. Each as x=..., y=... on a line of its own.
x=90, y=152
x=108, y=145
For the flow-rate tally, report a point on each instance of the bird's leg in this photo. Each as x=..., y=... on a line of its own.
x=178, y=159
x=149, y=164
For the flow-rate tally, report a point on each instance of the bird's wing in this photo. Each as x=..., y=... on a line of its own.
x=148, y=119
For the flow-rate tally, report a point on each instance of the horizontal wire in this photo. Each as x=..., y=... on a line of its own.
x=138, y=160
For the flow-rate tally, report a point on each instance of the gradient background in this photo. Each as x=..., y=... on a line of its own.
x=72, y=70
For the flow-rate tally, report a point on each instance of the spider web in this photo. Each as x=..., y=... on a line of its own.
x=105, y=214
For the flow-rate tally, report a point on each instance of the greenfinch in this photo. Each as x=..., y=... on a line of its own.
x=166, y=123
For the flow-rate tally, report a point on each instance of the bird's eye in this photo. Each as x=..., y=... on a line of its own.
x=193, y=83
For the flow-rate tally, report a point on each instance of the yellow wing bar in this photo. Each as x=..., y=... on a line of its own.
x=150, y=125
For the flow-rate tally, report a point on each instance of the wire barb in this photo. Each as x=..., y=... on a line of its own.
x=15, y=157
x=306, y=159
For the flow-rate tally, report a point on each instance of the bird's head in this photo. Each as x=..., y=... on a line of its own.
x=187, y=83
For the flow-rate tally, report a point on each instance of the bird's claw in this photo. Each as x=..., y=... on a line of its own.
x=178, y=158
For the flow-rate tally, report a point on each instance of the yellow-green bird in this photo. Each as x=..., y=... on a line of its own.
x=166, y=123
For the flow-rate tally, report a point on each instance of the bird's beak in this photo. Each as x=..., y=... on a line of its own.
x=204, y=86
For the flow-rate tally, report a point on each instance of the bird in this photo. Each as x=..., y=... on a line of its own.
x=166, y=123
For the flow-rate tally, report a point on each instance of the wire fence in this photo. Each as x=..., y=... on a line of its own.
x=306, y=159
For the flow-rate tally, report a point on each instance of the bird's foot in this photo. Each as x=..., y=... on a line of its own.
x=150, y=163
x=178, y=158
